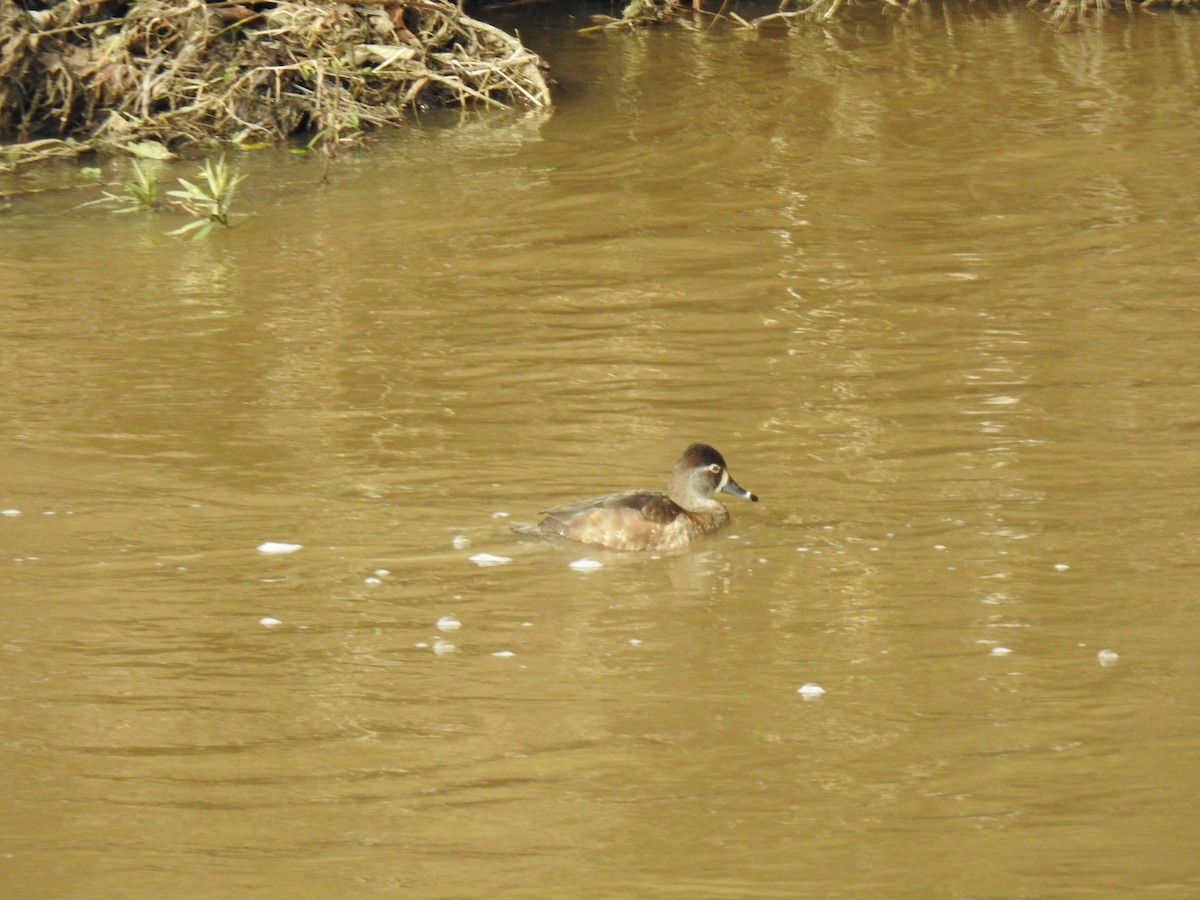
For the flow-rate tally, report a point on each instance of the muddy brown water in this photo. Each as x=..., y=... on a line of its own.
x=930, y=287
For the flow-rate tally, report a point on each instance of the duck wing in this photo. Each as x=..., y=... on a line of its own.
x=653, y=506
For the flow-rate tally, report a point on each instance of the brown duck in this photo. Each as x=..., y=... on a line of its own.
x=652, y=520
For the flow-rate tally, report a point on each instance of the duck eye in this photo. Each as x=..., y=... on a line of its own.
x=715, y=469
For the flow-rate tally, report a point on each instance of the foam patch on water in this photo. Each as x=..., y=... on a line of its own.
x=489, y=559
x=584, y=565
x=278, y=547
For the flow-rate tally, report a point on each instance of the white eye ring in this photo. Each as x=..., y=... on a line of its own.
x=715, y=469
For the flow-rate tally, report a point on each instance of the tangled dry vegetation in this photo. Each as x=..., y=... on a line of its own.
x=78, y=75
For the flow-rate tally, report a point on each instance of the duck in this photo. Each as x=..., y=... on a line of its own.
x=647, y=520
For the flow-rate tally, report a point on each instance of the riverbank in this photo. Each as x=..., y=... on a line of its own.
x=154, y=76
x=83, y=76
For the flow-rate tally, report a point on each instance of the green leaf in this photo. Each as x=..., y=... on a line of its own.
x=191, y=226
x=149, y=150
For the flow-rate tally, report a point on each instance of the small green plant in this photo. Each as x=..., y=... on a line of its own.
x=209, y=202
x=141, y=193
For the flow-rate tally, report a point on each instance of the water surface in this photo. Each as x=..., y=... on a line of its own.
x=929, y=286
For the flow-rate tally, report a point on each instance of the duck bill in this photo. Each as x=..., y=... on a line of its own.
x=732, y=487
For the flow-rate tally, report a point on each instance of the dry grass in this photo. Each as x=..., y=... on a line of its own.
x=89, y=74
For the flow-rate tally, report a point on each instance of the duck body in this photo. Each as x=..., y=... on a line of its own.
x=653, y=520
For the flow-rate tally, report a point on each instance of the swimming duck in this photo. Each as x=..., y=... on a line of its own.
x=653, y=520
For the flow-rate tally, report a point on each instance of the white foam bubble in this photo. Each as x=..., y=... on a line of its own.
x=278, y=547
